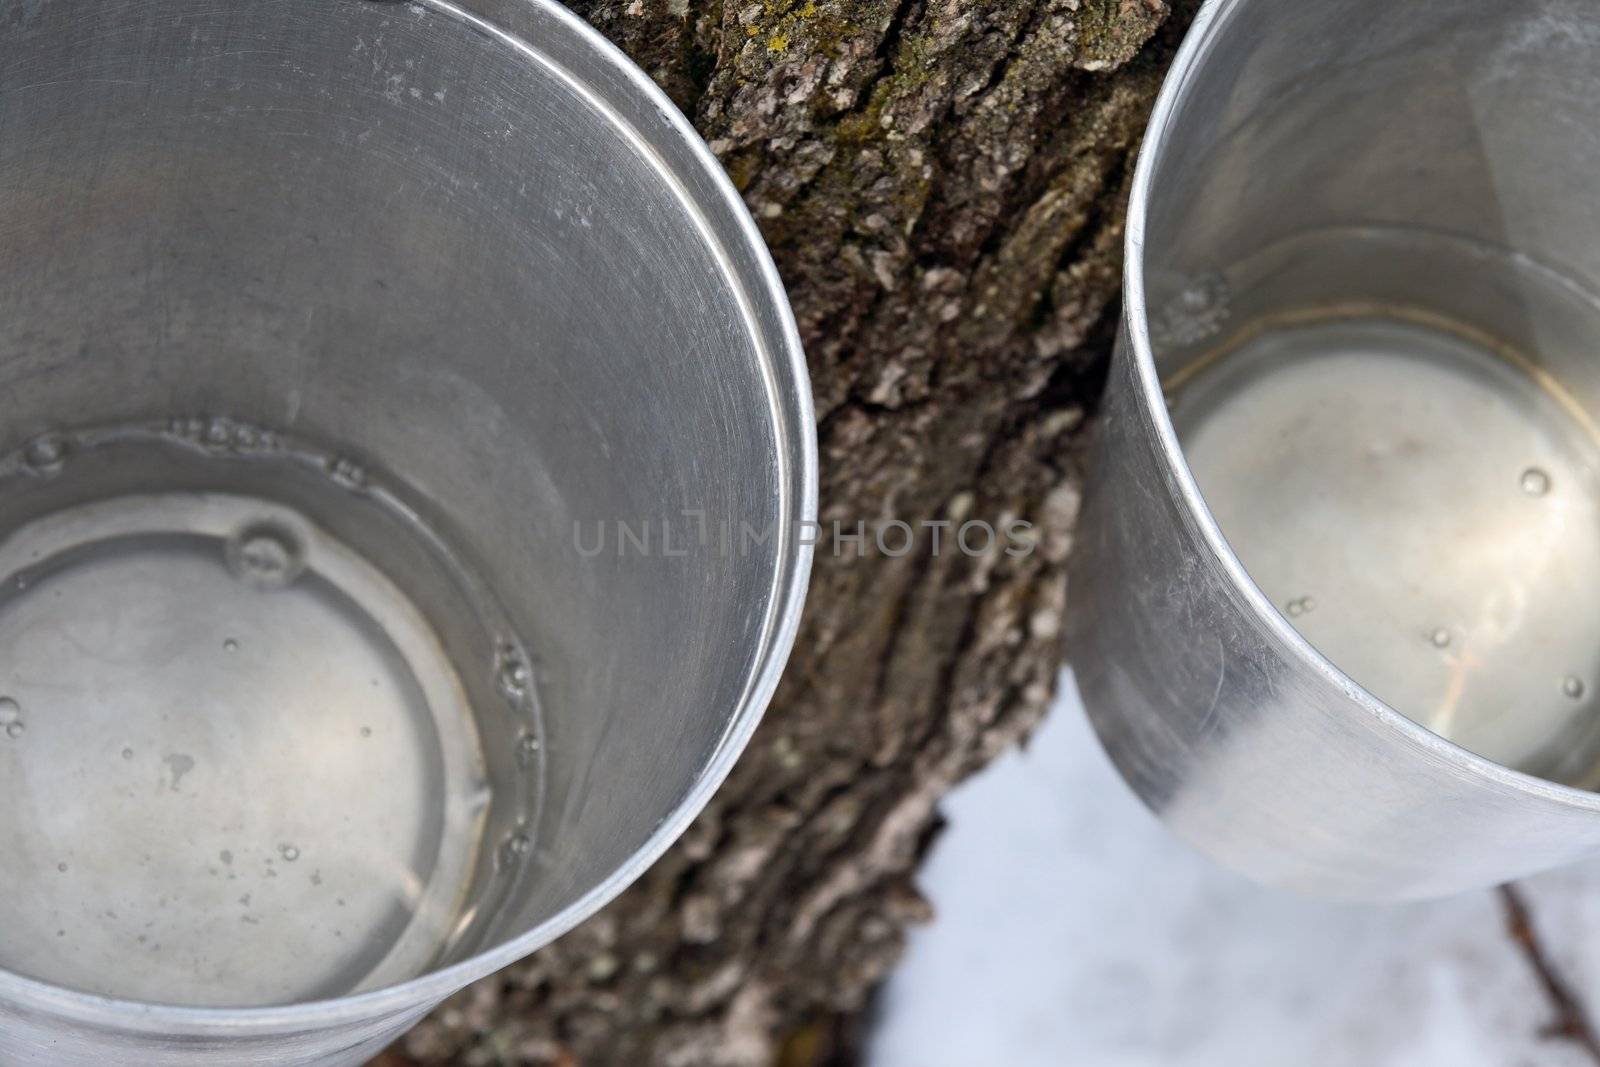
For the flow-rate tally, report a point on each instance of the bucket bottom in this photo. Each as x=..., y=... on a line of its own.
x=1425, y=510
x=238, y=763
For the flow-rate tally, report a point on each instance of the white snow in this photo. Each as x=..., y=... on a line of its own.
x=1072, y=930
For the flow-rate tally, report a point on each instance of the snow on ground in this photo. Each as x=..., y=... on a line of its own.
x=1072, y=931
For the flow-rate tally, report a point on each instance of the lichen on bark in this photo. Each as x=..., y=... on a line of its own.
x=942, y=186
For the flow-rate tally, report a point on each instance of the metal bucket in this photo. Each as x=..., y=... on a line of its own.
x=379, y=386
x=1338, y=583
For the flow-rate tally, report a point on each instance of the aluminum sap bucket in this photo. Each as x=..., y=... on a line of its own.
x=1336, y=569
x=330, y=334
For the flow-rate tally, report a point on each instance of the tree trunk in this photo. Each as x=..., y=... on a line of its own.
x=942, y=183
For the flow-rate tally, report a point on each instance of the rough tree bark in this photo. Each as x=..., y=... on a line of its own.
x=942, y=183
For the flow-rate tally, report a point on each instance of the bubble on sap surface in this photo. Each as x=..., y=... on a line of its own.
x=1535, y=481
x=514, y=676
x=527, y=749
x=347, y=472
x=1439, y=638
x=266, y=555
x=289, y=852
x=1572, y=686
x=220, y=434
x=515, y=847
x=1300, y=606
x=127, y=753
x=45, y=453
x=230, y=645
x=15, y=729
x=189, y=427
